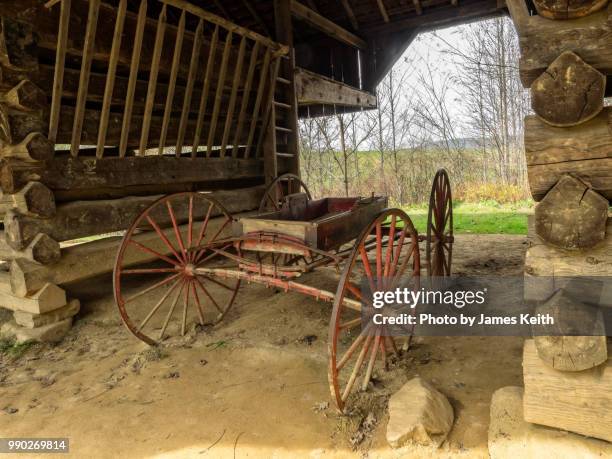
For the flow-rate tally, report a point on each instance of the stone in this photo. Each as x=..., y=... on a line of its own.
x=51, y=333
x=418, y=413
x=29, y=320
x=511, y=437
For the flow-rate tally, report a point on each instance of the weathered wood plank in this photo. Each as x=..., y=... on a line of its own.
x=312, y=88
x=47, y=298
x=547, y=268
x=584, y=151
x=573, y=401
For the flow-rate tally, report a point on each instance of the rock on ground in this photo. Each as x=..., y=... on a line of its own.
x=418, y=413
x=47, y=333
x=511, y=437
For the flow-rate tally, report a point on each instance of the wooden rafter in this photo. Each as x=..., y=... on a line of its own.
x=325, y=25
x=312, y=5
x=383, y=10
x=350, y=13
x=417, y=7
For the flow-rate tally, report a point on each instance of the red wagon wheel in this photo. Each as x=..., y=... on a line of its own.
x=280, y=187
x=157, y=290
x=439, y=246
x=396, y=250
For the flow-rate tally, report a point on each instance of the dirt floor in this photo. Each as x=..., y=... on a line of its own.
x=254, y=386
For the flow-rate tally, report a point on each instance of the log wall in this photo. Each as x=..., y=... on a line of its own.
x=566, y=61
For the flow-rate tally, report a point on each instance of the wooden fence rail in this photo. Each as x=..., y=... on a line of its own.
x=231, y=71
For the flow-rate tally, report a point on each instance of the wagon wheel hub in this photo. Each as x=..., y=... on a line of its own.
x=189, y=270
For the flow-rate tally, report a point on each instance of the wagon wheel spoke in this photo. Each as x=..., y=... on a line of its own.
x=177, y=233
x=144, y=248
x=353, y=356
x=158, y=305
x=151, y=288
x=180, y=279
x=149, y=271
x=171, y=310
x=163, y=237
x=370, y=367
x=356, y=368
x=208, y=295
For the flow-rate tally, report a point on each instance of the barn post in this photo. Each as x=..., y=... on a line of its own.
x=285, y=126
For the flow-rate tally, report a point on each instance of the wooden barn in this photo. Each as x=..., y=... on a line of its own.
x=106, y=105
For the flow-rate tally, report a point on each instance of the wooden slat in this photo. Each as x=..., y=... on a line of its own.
x=325, y=25
x=129, y=100
x=205, y=90
x=159, y=40
x=110, y=78
x=193, y=69
x=260, y=90
x=219, y=93
x=229, y=120
x=227, y=25
x=58, y=77
x=90, y=36
x=176, y=59
x=245, y=100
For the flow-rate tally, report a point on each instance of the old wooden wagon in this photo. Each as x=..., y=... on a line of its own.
x=209, y=254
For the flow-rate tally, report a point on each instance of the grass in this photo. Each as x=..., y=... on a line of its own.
x=486, y=217
x=13, y=349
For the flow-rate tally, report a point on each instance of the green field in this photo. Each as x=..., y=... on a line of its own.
x=482, y=218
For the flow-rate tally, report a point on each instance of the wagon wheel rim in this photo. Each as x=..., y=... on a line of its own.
x=157, y=288
x=354, y=351
x=278, y=189
x=439, y=245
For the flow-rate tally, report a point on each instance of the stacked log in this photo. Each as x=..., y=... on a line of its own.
x=566, y=62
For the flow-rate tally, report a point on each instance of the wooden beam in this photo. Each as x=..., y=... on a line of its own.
x=34, y=199
x=79, y=219
x=547, y=268
x=582, y=150
x=91, y=176
x=326, y=26
x=350, y=13
x=442, y=16
x=47, y=298
x=312, y=88
x=572, y=401
x=383, y=10
x=543, y=40
x=227, y=25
